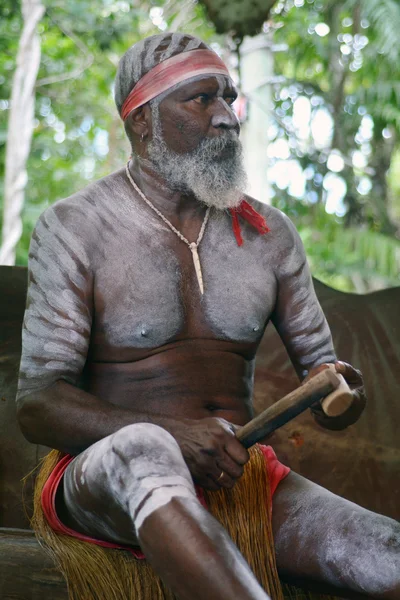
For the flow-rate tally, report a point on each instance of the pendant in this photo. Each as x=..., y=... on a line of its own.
x=197, y=266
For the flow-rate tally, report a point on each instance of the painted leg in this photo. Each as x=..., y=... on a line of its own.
x=134, y=487
x=202, y=561
x=321, y=536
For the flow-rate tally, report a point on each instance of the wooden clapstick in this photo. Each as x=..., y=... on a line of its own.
x=340, y=399
x=317, y=388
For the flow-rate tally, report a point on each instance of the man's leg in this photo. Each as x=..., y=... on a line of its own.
x=134, y=487
x=321, y=536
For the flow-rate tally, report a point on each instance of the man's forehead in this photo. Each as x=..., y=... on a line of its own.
x=221, y=82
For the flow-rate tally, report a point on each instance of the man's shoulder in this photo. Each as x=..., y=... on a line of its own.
x=281, y=228
x=89, y=199
x=76, y=221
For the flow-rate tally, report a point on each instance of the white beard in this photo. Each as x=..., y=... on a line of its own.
x=215, y=180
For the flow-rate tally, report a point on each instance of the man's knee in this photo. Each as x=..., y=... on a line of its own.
x=144, y=439
x=387, y=553
x=136, y=470
x=146, y=461
x=372, y=542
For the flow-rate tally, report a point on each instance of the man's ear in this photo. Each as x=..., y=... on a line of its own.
x=139, y=121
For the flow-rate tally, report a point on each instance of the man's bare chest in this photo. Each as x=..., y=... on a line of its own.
x=146, y=292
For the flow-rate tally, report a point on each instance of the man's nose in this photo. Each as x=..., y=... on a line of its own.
x=224, y=116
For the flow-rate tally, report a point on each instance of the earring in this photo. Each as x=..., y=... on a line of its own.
x=142, y=137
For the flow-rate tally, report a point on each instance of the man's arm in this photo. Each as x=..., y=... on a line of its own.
x=302, y=326
x=52, y=410
x=298, y=316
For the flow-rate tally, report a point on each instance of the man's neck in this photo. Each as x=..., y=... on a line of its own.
x=174, y=205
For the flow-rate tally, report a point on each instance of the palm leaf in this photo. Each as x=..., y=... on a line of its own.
x=374, y=256
x=384, y=17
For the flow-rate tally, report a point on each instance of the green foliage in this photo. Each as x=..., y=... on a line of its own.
x=384, y=17
x=344, y=57
x=344, y=257
x=78, y=135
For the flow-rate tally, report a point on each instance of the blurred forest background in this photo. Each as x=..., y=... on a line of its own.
x=332, y=115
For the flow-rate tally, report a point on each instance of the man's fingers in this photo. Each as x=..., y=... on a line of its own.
x=223, y=479
x=349, y=417
x=215, y=457
x=232, y=446
x=352, y=376
x=215, y=479
x=237, y=452
x=229, y=466
x=209, y=484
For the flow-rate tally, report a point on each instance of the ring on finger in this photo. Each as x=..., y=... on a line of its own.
x=221, y=476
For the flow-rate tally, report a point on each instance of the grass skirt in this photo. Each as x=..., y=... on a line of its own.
x=96, y=573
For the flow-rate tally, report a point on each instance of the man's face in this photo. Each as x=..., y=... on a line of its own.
x=198, y=110
x=195, y=141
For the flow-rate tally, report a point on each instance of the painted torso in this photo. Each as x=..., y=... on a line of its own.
x=114, y=304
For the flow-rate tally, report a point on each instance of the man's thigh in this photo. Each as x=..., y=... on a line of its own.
x=327, y=538
x=111, y=487
x=87, y=503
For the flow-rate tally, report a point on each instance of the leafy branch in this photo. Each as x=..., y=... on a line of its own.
x=75, y=73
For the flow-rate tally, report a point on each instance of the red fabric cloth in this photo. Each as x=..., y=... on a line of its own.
x=249, y=214
x=276, y=472
x=170, y=72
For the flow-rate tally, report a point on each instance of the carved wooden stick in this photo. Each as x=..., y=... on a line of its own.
x=318, y=387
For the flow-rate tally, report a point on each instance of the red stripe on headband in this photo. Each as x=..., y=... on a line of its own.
x=169, y=72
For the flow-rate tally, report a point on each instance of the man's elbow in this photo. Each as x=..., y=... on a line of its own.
x=30, y=413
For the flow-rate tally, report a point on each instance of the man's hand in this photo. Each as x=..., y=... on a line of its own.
x=213, y=454
x=355, y=381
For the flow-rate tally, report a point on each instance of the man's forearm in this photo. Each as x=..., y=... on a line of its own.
x=69, y=419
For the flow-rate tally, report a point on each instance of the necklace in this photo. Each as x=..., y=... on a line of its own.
x=191, y=245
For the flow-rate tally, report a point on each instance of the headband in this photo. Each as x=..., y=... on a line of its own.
x=169, y=72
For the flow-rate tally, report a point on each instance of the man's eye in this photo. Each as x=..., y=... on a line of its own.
x=230, y=99
x=201, y=98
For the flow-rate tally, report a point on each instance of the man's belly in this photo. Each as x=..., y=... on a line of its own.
x=189, y=380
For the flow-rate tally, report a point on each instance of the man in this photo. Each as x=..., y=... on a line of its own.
x=147, y=301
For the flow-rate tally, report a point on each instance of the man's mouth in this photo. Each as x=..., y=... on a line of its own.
x=223, y=146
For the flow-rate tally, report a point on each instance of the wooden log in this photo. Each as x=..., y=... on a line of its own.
x=26, y=571
x=315, y=588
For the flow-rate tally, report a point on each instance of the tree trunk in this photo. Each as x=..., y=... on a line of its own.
x=20, y=128
x=256, y=67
